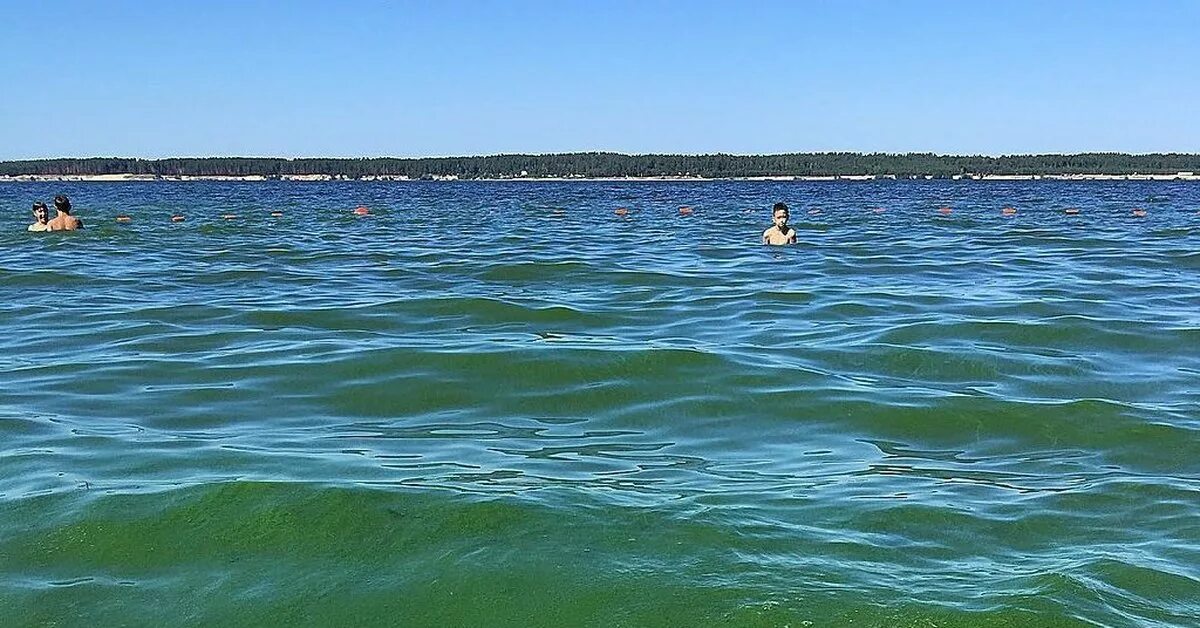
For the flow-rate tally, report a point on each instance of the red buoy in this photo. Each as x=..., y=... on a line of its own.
x=1139, y=213
x=177, y=218
x=945, y=211
x=361, y=211
x=1009, y=211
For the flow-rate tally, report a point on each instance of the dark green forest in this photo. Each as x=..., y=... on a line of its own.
x=619, y=165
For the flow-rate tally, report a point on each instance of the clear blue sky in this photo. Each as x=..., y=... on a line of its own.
x=301, y=78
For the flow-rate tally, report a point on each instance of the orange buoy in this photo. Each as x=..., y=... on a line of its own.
x=685, y=210
x=123, y=218
x=1139, y=212
x=1071, y=211
x=945, y=211
x=621, y=211
x=1009, y=211
x=361, y=211
x=177, y=218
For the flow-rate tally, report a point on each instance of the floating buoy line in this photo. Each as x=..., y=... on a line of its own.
x=686, y=210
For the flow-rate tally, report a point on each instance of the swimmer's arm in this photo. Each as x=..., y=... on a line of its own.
x=791, y=239
x=766, y=239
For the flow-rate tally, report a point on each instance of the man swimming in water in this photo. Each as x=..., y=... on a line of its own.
x=780, y=232
x=63, y=221
x=41, y=217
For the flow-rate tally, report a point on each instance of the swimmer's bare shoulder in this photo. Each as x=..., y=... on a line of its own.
x=64, y=223
x=774, y=236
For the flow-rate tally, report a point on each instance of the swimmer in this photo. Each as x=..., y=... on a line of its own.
x=780, y=232
x=41, y=217
x=63, y=221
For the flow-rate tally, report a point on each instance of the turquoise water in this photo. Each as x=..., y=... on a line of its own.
x=500, y=404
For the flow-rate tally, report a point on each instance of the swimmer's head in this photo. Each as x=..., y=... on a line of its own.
x=62, y=204
x=40, y=212
x=779, y=215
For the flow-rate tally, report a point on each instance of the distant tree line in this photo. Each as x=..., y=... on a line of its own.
x=619, y=165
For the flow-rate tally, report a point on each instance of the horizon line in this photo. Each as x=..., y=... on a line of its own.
x=610, y=152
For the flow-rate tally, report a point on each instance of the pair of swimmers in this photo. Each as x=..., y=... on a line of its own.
x=62, y=221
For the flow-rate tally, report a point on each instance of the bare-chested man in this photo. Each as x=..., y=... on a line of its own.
x=63, y=221
x=41, y=217
x=780, y=232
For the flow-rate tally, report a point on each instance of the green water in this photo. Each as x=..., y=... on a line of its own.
x=495, y=404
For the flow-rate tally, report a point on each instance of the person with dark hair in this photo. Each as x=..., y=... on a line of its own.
x=63, y=221
x=779, y=232
x=41, y=217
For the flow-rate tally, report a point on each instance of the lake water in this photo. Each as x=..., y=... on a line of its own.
x=500, y=404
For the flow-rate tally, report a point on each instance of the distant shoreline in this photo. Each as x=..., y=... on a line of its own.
x=600, y=166
x=144, y=178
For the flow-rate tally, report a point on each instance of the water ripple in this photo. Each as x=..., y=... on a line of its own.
x=909, y=419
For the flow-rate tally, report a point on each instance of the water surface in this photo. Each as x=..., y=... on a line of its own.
x=502, y=404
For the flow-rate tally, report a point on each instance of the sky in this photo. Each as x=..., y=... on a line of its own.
x=391, y=78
